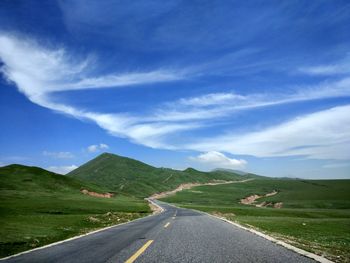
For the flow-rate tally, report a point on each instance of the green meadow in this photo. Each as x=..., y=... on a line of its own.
x=39, y=207
x=315, y=214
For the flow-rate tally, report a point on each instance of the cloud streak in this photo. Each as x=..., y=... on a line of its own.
x=39, y=72
x=336, y=68
x=321, y=135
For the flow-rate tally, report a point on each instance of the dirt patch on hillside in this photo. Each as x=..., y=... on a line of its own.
x=251, y=200
x=278, y=205
x=94, y=194
x=190, y=185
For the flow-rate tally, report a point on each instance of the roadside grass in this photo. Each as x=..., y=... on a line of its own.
x=38, y=207
x=315, y=214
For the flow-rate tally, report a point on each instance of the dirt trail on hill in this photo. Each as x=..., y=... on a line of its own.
x=191, y=185
x=250, y=200
x=94, y=194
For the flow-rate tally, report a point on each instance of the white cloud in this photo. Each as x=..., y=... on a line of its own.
x=336, y=165
x=211, y=99
x=321, y=135
x=97, y=147
x=39, y=71
x=221, y=105
x=62, y=169
x=336, y=68
x=59, y=155
x=215, y=159
x=103, y=146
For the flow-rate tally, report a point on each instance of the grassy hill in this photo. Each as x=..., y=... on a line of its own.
x=132, y=177
x=39, y=207
x=315, y=214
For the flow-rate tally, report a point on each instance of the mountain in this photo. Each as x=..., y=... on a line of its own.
x=132, y=177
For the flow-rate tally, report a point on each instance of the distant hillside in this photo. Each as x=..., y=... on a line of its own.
x=135, y=178
x=31, y=178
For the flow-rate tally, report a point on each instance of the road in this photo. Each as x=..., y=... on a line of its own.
x=176, y=235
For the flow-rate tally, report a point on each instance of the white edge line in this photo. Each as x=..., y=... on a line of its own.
x=279, y=242
x=150, y=200
x=274, y=240
x=83, y=235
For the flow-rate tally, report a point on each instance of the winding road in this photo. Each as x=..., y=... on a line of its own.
x=176, y=235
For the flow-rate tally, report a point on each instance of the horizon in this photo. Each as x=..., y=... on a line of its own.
x=239, y=172
x=256, y=87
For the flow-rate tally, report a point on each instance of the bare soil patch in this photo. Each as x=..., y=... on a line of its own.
x=251, y=200
x=94, y=194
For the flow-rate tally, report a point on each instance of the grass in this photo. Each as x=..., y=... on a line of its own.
x=132, y=177
x=39, y=207
x=315, y=214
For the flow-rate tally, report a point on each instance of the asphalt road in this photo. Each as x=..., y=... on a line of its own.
x=176, y=235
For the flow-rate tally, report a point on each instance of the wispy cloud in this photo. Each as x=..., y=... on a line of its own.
x=335, y=68
x=59, y=155
x=97, y=147
x=214, y=159
x=214, y=105
x=62, y=169
x=336, y=165
x=39, y=71
x=321, y=135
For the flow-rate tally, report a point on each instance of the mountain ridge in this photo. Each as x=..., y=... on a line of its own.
x=129, y=176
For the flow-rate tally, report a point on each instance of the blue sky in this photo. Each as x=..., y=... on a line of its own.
x=249, y=85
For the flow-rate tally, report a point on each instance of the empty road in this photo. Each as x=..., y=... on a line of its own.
x=176, y=235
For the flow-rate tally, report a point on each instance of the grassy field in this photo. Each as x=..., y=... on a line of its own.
x=315, y=214
x=132, y=177
x=39, y=207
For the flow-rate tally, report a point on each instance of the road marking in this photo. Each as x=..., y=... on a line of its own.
x=173, y=217
x=139, y=252
x=167, y=224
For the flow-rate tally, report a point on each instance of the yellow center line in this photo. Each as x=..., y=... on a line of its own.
x=139, y=252
x=167, y=224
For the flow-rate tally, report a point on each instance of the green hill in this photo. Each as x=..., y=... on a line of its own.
x=132, y=177
x=31, y=178
x=39, y=207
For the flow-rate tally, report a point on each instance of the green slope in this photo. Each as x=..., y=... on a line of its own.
x=21, y=177
x=39, y=207
x=132, y=177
